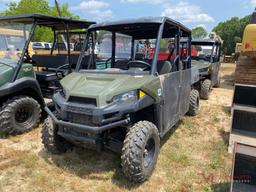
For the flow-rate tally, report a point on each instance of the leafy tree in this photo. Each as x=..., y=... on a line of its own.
x=231, y=31
x=199, y=33
x=39, y=7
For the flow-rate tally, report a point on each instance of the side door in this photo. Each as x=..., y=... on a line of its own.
x=215, y=66
x=170, y=83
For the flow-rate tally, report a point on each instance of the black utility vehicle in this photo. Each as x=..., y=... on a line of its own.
x=26, y=75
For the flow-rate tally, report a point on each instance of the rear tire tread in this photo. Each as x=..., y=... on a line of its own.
x=6, y=112
x=51, y=140
x=206, y=89
x=193, y=103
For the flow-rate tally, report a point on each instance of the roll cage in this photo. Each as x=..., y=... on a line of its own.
x=55, y=23
x=209, y=42
x=144, y=28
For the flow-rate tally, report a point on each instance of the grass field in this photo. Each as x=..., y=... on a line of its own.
x=193, y=157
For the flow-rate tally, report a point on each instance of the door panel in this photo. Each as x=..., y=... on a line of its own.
x=170, y=85
x=215, y=72
x=185, y=89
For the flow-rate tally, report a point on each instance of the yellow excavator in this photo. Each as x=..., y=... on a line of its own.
x=246, y=65
x=242, y=136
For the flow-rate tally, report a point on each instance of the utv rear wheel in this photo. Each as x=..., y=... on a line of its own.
x=51, y=140
x=19, y=114
x=206, y=89
x=140, y=151
x=193, y=103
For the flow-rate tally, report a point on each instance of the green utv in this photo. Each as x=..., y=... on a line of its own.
x=27, y=75
x=205, y=55
x=130, y=105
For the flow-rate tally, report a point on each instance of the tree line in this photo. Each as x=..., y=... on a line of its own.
x=231, y=31
x=39, y=7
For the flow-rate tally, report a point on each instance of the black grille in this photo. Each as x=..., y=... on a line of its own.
x=80, y=118
x=88, y=101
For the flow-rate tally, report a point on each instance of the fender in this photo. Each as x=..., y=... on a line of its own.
x=20, y=85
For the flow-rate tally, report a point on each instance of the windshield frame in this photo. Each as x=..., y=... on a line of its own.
x=91, y=31
x=210, y=43
x=167, y=28
x=25, y=49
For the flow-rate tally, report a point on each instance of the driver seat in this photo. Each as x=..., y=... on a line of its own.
x=164, y=67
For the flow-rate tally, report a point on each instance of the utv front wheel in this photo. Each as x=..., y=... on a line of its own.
x=140, y=151
x=19, y=114
x=51, y=140
x=206, y=89
x=193, y=103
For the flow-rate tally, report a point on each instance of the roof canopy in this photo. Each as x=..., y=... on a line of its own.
x=58, y=23
x=143, y=28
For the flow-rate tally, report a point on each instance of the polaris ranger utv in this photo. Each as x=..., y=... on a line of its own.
x=27, y=75
x=130, y=105
x=205, y=55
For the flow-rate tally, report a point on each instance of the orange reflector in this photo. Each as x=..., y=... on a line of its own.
x=247, y=45
x=141, y=94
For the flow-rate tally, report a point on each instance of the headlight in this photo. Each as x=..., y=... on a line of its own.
x=126, y=97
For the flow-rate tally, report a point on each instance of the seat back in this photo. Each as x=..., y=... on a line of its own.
x=50, y=61
x=164, y=67
x=121, y=64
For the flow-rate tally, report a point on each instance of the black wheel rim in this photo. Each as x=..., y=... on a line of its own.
x=23, y=114
x=149, y=152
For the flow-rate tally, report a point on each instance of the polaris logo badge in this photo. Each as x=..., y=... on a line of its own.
x=27, y=69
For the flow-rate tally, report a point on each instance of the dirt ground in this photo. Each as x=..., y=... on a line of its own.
x=193, y=157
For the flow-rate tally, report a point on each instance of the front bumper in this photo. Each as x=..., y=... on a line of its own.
x=86, y=128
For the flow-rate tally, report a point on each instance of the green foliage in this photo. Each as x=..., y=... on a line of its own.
x=199, y=33
x=231, y=31
x=39, y=7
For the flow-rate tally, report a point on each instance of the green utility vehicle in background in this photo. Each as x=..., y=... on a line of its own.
x=206, y=57
x=129, y=106
x=26, y=75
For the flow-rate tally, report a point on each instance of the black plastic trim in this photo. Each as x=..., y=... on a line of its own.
x=86, y=128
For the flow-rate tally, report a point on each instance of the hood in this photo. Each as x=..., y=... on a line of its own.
x=6, y=73
x=102, y=87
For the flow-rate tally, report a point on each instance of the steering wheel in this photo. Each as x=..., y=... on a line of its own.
x=138, y=63
x=62, y=71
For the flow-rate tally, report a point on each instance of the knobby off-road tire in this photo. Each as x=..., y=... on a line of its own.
x=194, y=103
x=19, y=114
x=217, y=85
x=51, y=140
x=140, y=151
x=206, y=89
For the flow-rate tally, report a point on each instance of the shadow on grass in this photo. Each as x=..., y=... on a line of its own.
x=90, y=164
x=228, y=81
x=221, y=187
x=225, y=137
x=170, y=133
x=226, y=109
